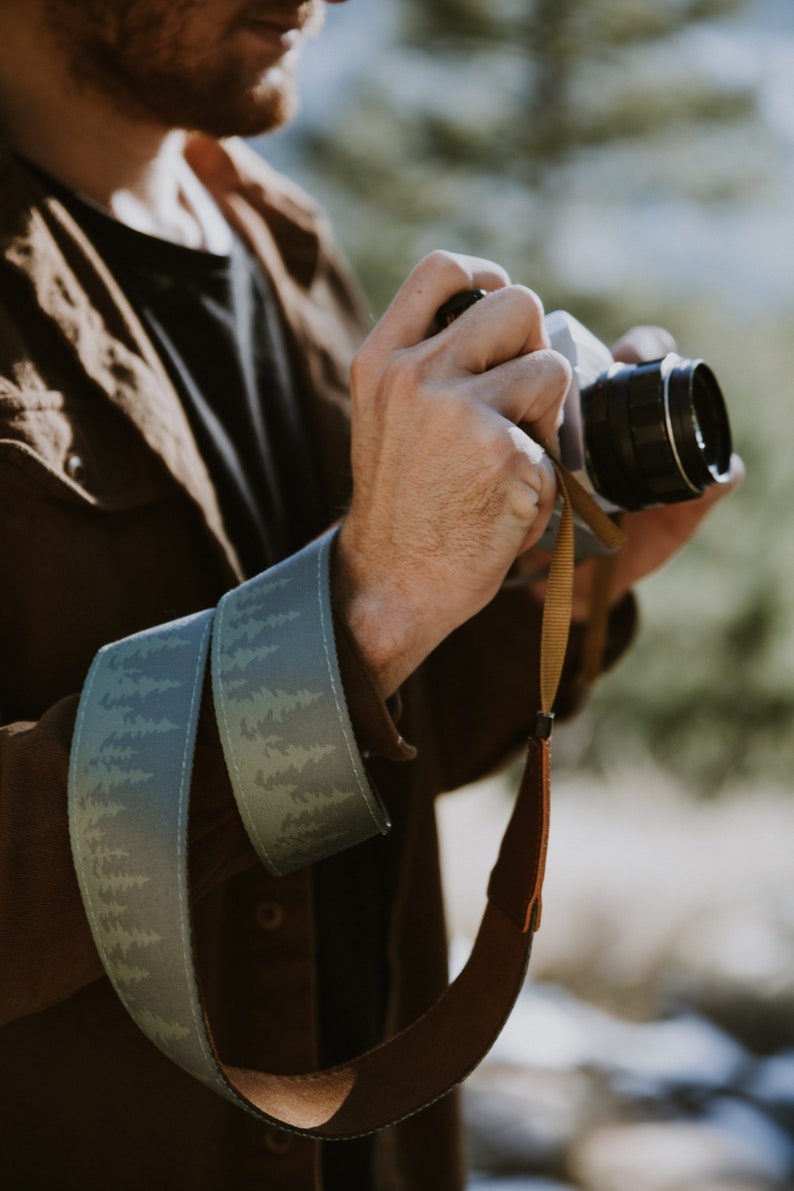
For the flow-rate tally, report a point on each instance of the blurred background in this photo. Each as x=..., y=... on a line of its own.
x=633, y=162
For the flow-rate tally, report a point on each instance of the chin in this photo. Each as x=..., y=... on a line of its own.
x=266, y=105
x=263, y=110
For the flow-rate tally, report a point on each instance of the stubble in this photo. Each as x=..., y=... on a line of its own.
x=162, y=60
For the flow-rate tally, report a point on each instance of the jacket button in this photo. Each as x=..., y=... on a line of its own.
x=75, y=468
x=269, y=915
x=277, y=1142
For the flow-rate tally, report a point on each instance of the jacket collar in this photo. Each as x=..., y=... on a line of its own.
x=232, y=170
x=74, y=288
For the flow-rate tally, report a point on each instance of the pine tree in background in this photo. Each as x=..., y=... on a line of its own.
x=494, y=127
x=494, y=117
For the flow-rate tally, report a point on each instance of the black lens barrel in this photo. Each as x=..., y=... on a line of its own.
x=655, y=433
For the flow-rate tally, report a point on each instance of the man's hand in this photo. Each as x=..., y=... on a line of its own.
x=447, y=490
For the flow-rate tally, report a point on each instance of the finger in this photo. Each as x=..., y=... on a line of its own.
x=508, y=323
x=541, y=480
x=693, y=511
x=529, y=391
x=410, y=317
x=643, y=343
x=732, y=480
x=654, y=535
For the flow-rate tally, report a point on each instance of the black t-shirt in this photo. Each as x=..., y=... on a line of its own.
x=214, y=321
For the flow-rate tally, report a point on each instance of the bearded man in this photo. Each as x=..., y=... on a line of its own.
x=176, y=332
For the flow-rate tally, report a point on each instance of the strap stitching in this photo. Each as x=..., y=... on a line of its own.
x=341, y=715
x=184, y=913
x=77, y=835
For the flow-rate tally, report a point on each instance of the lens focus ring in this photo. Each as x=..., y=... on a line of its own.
x=643, y=437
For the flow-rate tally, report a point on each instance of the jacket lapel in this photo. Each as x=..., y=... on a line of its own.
x=73, y=288
x=322, y=314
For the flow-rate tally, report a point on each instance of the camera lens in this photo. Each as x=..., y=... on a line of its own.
x=655, y=433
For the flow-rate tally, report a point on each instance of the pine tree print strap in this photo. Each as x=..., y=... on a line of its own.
x=129, y=784
x=299, y=779
x=289, y=746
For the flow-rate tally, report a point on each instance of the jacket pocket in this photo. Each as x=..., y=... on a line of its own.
x=78, y=450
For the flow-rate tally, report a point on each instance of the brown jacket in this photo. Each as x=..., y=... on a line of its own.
x=108, y=524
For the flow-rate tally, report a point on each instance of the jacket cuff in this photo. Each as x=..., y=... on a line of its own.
x=374, y=718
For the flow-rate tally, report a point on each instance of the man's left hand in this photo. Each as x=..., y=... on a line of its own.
x=653, y=535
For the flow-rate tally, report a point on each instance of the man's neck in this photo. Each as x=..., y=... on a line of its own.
x=130, y=166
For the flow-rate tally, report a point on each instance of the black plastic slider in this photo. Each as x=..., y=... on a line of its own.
x=454, y=308
x=543, y=725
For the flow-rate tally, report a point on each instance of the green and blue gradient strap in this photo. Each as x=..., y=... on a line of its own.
x=129, y=783
x=287, y=738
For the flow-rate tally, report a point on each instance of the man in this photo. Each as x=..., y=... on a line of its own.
x=175, y=335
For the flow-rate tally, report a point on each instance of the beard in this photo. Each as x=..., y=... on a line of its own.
x=169, y=61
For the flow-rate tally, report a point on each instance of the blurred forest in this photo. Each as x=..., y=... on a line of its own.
x=616, y=157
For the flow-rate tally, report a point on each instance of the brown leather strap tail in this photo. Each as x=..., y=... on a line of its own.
x=442, y=1047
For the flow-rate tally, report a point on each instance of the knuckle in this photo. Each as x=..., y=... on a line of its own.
x=532, y=452
x=457, y=271
x=361, y=370
x=496, y=453
x=559, y=369
x=551, y=372
x=524, y=503
x=527, y=301
x=441, y=258
x=440, y=262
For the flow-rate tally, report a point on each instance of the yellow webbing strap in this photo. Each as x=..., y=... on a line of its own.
x=559, y=594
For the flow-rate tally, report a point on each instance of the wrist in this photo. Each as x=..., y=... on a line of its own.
x=390, y=630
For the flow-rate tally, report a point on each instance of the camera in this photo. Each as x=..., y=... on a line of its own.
x=636, y=435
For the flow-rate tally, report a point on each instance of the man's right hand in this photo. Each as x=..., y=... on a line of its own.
x=447, y=490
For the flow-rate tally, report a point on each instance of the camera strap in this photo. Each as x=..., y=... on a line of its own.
x=559, y=590
x=130, y=777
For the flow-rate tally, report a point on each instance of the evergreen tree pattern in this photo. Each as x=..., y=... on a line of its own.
x=302, y=790
x=128, y=765
x=288, y=743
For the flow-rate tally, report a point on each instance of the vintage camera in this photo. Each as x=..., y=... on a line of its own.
x=637, y=435
x=634, y=435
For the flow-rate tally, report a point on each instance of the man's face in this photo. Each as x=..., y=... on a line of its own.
x=222, y=66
